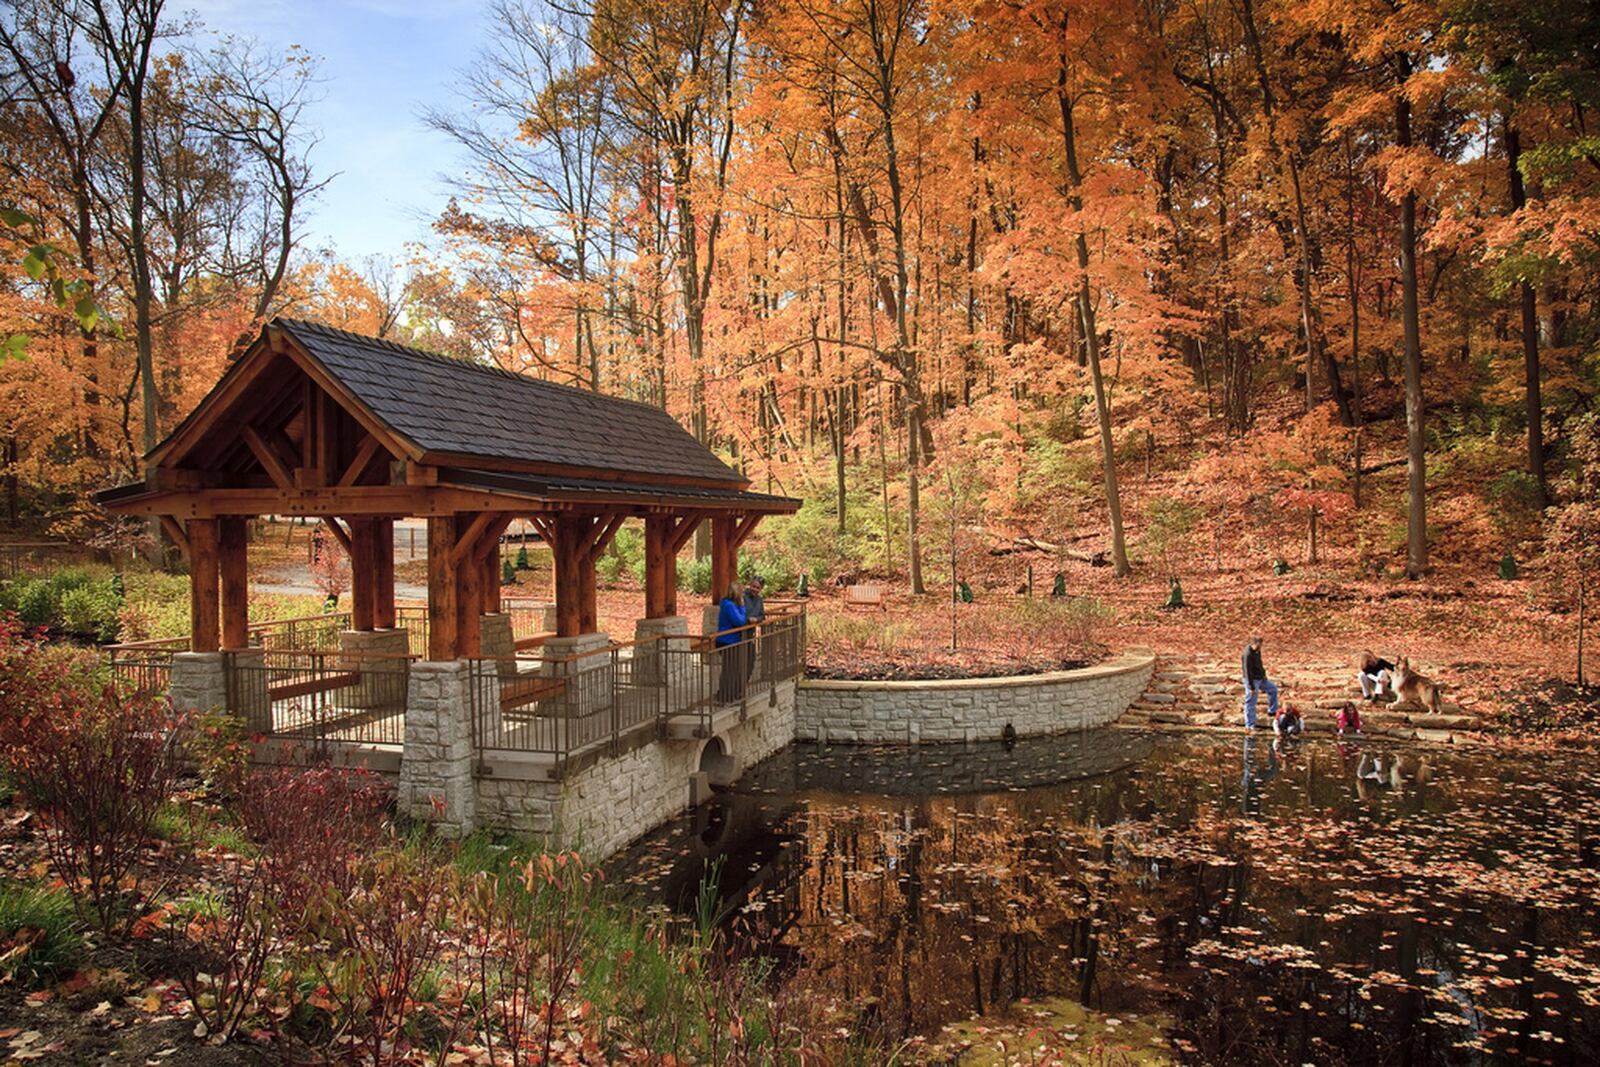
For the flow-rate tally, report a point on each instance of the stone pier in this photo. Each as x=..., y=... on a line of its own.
x=436, y=765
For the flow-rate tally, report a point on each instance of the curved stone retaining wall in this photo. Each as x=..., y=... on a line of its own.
x=970, y=709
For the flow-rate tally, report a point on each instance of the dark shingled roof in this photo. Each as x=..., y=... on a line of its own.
x=449, y=405
x=590, y=489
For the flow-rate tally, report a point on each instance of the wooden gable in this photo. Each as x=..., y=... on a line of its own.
x=277, y=421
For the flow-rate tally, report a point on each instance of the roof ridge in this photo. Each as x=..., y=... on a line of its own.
x=492, y=368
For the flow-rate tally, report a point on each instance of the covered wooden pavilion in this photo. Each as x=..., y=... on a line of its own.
x=358, y=432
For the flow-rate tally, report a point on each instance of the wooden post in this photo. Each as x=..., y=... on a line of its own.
x=383, y=573
x=491, y=581
x=660, y=568
x=441, y=588
x=363, y=573
x=233, y=535
x=203, y=607
x=588, y=603
x=724, y=554
x=566, y=552
x=469, y=592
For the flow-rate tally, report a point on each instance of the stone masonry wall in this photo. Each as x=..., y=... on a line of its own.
x=602, y=807
x=970, y=709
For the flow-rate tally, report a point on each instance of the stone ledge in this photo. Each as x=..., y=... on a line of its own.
x=1127, y=663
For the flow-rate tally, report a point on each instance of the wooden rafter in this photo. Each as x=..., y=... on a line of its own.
x=467, y=541
x=604, y=531
x=746, y=527
x=363, y=459
x=268, y=457
x=491, y=536
x=682, y=531
x=174, y=530
x=332, y=525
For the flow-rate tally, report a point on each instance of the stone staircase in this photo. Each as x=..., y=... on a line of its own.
x=1199, y=691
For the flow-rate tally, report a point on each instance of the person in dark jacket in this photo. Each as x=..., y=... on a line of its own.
x=732, y=653
x=755, y=608
x=1255, y=680
x=755, y=612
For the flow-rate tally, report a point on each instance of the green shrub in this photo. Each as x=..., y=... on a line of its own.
x=38, y=602
x=808, y=542
x=92, y=609
x=626, y=555
x=39, y=936
x=773, y=565
x=695, y=576
x=1514, y=496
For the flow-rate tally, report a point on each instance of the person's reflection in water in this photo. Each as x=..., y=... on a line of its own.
x=1250, y=785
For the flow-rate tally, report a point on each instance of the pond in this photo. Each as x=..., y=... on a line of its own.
x=1316, y=902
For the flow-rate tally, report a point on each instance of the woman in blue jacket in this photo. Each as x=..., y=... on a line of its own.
x=731, y=649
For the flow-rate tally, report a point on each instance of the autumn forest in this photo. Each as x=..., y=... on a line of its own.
x=870, y=249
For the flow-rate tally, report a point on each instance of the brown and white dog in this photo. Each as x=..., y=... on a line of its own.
x=1411, y=687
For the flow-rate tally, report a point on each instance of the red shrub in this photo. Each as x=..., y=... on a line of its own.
x=310, y=824
x=375, y=944
x=95, y=763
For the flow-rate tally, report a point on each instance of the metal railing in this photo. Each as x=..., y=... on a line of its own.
x=564, y=705
x=142, y=671
x=319, y=696
x=32, y=557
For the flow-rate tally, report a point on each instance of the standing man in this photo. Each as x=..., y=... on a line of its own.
x=755, y=611
x=1255, y=679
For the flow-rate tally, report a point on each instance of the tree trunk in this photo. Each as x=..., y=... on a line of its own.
x=1416, y=459
x=1530, y=330
x=1091, y=332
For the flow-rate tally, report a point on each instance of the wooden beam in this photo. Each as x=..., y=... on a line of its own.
x=174, y=530
x=326, y=457
x=724, y=554
x=660, y=566
x=467, y=540
x=331, y=524
x=685, y=530
x=308, y=419
x=441, y=588
x=363, y=574
x=469, y=592
x=490, y=541
x=568, y=575
x=368, y=448
x=383, y=614
x=745, y=529
x=203, y=577
x=604, y=535
x=490, y=565
x=234, y=569
x=268, y=457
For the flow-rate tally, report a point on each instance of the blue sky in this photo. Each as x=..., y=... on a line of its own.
x=381, y=63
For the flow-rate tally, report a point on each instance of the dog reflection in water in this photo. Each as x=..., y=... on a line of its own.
x=1391, y=772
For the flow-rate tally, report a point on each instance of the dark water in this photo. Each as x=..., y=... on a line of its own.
x=1327, y=903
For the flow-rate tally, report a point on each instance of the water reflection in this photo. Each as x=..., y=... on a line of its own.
x=1319, y=902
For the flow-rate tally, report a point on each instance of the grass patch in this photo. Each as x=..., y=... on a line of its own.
x=39, y=936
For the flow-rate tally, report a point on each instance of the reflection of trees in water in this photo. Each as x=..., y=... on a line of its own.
x=1386, y=924
x=932, y=909
x=1316, y=931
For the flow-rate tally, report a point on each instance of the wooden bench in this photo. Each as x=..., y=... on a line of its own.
x=532, y=641
x=290, y=690
x=864, y=596
x=529, y=690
